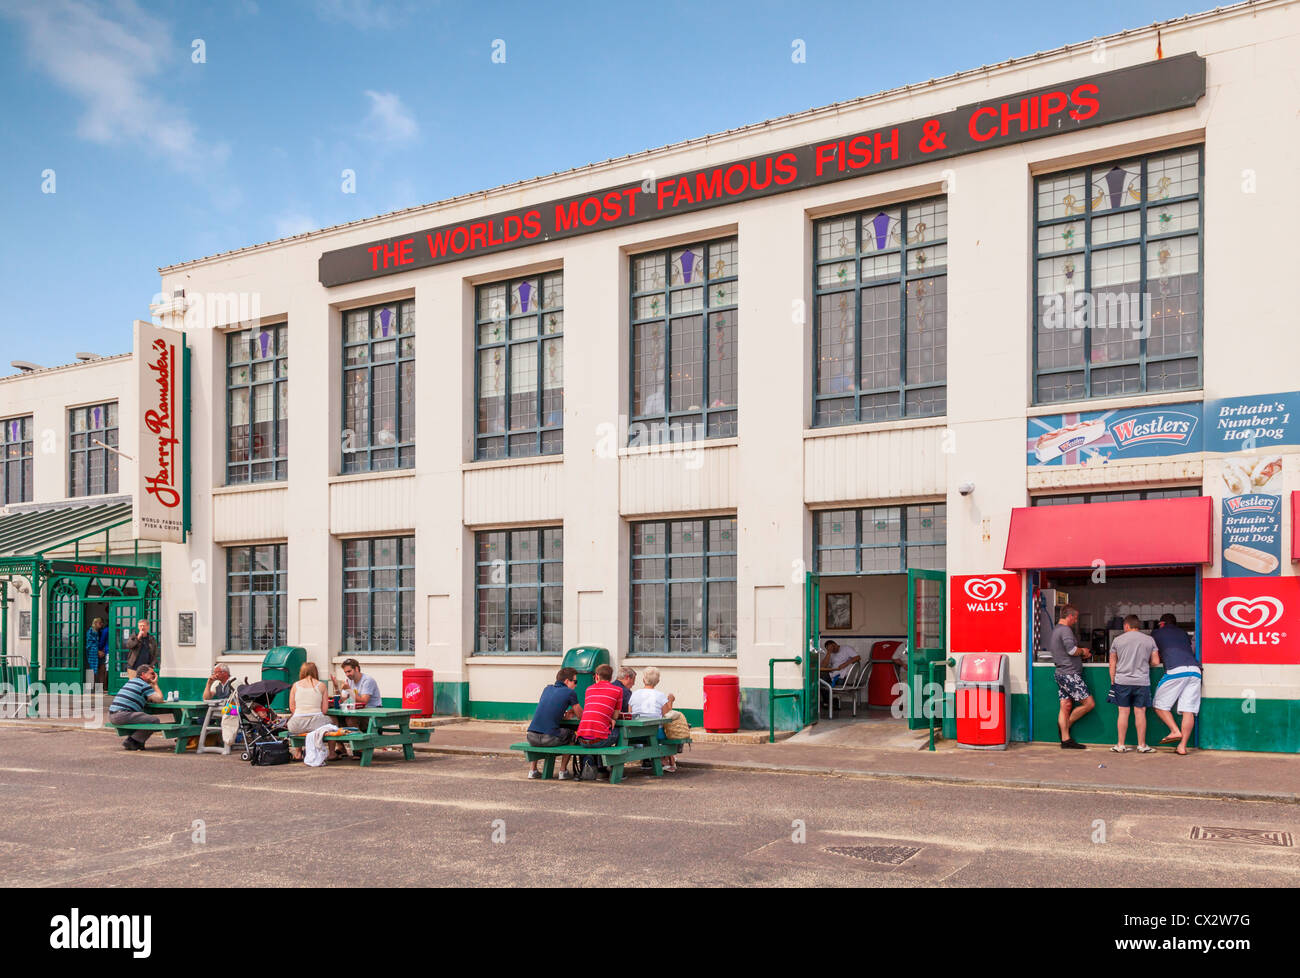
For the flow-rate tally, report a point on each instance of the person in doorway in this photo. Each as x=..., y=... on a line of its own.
x=142, y=650
x=218, y=686
x=557, y=702
x=1180, y=687
x=97, y=652
x=836, y=662
x=307, y=698
x=1071, y=688
x=625, y=681
x=1132, y=655
x=599, y=708
x=128, y=706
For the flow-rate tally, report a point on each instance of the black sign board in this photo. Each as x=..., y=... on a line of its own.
x=1098, y=100
x=99, y=570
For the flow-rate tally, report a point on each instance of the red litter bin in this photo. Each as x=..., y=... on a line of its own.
x=884, y=674
x=417, y=691
x=982, y=686
x=721, y=704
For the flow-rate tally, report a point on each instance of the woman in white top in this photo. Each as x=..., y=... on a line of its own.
x=307, y=702
x=649, y=702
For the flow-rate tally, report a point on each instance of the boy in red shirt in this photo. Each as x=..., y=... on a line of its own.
x=599, y=708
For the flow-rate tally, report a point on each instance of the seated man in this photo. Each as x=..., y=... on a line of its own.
x=599, y=708
x=362, y=689
x=557, y=702
x=219, y=685
x=129, y=703
x=626, y=680
x=836, y=662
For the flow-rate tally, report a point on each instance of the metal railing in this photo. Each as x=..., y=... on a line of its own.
x=13, y=686
x=773, y=695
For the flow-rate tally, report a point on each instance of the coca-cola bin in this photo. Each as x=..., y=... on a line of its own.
x=721, y=704
x=982, y=686
x=417, y=691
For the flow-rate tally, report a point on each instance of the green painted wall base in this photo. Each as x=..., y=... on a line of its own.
x=1098, y=727
x=450, y=699
x=753, y=710
x=1019, y=716
x=489, y=710
x=1263, y=725
x=188, y=687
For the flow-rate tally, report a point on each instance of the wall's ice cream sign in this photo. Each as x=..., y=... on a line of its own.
x=1097, y=437
x=984, y=613
x=1250, y=621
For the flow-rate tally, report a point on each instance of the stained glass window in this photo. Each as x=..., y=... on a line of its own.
x=92, y=464
x=880, y=314
x=881, y=540
x=379, y=388
x=684, y=343
x=1117, y=290
x=257, y=405
x=379, y=595
x=1125, y=495
x=256, y=589
x=684, y=587
x=519, y=350
x=519, y=592
x=16, y=460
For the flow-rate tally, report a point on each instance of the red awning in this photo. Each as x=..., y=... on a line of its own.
x=1295, y=525
x=1140, y=533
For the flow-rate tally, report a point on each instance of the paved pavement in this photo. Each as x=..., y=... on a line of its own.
x=77, y=810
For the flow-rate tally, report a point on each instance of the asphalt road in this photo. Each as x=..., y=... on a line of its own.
x=77, y=810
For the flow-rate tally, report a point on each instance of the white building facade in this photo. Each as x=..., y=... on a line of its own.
x=443, y=459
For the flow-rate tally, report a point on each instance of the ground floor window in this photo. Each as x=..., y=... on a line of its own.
x=881, y=539
x=255, y=597
x=684, y=587
x=379, y=595
x=519, y=591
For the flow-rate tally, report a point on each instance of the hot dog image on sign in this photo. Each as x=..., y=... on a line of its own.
x=1098, y=437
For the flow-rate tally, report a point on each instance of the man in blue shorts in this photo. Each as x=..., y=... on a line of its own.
x=1180, y=688
x=1132, y=655
x=1069, y=657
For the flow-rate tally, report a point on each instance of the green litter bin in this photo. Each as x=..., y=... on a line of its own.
x=283, y=663
x=585, y=658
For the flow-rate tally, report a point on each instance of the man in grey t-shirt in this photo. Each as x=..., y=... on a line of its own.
x=1131, y=657
x=1069, y=657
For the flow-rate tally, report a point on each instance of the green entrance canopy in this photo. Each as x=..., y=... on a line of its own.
x=24, y=534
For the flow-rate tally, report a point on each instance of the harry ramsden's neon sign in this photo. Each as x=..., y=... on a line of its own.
x=161, y=422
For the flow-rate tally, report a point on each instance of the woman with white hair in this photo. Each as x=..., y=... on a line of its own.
x=651, y=703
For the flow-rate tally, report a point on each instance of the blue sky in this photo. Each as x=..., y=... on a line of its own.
x=159, y=159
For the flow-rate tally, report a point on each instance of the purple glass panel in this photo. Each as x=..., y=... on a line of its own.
x=525, y=290
x=263, y=342
x=1115, y=181
x=94, y=418
x=688, y=263
x=13, y=431
x=385, y=316
x=880, y=225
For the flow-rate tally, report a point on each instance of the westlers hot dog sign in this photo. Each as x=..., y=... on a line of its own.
x=1084, y=103
x=159, y=511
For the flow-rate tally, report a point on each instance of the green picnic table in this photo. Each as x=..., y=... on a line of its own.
x=638, y=740
x=188, y=721
x=382, y=728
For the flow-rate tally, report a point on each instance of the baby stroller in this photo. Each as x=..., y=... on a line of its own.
x=259, y=724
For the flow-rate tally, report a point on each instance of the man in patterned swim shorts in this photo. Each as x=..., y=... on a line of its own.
x=1069, y=657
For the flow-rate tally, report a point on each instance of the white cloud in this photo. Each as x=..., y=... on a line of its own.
x=106, y=57
x=389, y=120
x=290, y=223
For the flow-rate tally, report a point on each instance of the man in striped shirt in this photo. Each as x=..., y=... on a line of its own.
x=128, y=706
x=599, y=707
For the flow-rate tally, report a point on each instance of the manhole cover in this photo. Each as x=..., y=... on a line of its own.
x=890, y=855
x=1259, y=837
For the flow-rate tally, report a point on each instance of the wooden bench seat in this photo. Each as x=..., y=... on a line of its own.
x=181, y=731
x=615, y=758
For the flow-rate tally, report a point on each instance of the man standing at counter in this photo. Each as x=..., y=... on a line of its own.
x=1180, y=687
x=1131, y=657
x=1068, y=656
